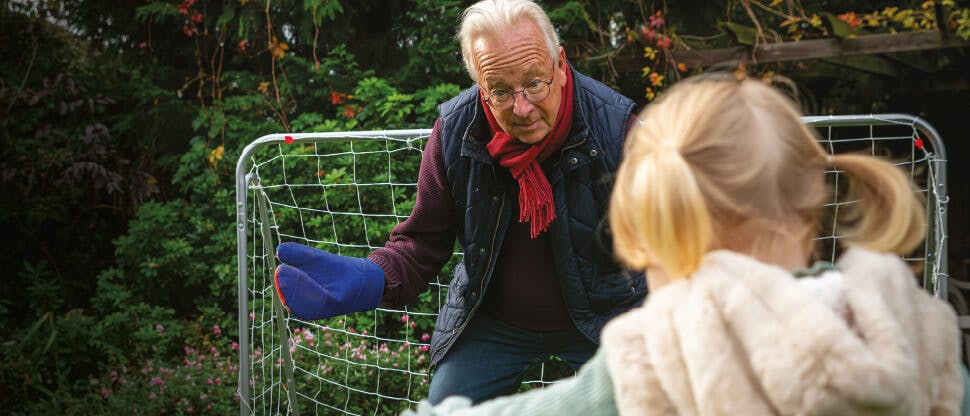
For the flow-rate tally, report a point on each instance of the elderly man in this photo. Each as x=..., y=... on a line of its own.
x=520, y=168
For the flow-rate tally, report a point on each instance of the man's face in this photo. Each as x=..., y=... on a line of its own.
x=509, y=61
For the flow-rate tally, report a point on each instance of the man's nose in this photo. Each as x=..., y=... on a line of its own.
x=520, y=106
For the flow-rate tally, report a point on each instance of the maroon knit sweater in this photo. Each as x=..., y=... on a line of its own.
x=524, y=290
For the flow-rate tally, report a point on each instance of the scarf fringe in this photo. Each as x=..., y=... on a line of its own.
x=535, y=199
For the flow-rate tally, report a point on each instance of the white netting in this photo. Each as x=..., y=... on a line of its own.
x=344, y=192
x=899, y=139
x=342, y=196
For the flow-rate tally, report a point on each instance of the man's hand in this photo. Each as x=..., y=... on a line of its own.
x=315, y=284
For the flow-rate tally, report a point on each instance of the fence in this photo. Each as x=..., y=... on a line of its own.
x=343, y=192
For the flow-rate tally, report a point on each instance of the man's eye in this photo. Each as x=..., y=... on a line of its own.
x=533, y=84
x=500, y=95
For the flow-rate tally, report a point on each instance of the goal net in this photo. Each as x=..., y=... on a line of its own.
x=344, y=192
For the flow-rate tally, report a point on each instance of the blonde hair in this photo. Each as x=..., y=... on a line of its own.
x=495, y=16
x=723, y=163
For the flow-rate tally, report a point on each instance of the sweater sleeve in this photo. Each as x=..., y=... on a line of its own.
x=421, y=244
x=589, y=392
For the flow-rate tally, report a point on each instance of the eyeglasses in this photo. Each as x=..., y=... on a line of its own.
x=535, y=91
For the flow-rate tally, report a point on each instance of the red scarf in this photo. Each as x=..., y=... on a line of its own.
x=522, y=160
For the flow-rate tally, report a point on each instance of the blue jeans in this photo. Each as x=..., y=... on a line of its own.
x=490, y=356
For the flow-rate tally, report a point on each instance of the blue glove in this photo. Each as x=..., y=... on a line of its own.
x=315, y=284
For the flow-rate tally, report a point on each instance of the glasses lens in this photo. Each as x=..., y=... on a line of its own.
x=500, y=100
x=537, y=92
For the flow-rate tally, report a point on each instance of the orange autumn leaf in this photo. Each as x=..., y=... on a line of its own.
x=337, y=97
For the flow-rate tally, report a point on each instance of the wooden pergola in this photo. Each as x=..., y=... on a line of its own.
x=860, y=52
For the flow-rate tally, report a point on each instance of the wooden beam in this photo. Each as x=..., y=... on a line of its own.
x=807, y=49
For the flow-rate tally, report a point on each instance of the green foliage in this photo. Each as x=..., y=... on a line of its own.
x=196, y=377
x=427, y=33
x=46, y=360
x=157, y=11
x=367, y=363
x=68, y=169
x=962, y=18
x=323, y=10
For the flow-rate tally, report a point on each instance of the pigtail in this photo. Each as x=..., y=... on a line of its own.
x=657, y=213
x=890, y=217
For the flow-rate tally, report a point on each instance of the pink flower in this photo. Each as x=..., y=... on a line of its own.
x=105, y=393
x=159, y=328
x=425, y=337
x=405, y=318
x=216, y=330
x=657, y=20
x=156, y=381
x=423, y=348
x=235, y=346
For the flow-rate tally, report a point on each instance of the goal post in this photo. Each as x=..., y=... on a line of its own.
x=914, y=145
x=341, y=192
x=344, y=191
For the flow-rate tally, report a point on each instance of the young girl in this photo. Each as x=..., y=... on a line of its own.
x=718, y=198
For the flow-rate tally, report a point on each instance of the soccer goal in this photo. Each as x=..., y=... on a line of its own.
x=343, y=192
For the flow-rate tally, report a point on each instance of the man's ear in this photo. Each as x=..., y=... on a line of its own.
x=563, y=66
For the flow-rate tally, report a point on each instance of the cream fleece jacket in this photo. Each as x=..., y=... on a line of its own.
x=741, y=337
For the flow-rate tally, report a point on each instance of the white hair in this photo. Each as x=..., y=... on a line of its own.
x=494, y=16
